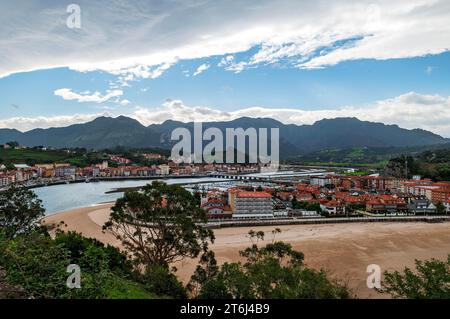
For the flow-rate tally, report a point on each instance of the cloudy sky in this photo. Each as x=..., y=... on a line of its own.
x=296, y=61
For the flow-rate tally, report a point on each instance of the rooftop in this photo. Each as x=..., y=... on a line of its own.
x=254, y=195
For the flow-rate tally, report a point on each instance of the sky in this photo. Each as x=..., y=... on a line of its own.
x=211, y=60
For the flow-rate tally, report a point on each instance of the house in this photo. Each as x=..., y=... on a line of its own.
x=219, y=212
x=333, y=207
x=163, y=169
x=286, y=196
x=386, y=204
x=447, y=205
x=152, y=156
x=66, y=171
x=421, y=206
x=119, y=159
x=303, y=196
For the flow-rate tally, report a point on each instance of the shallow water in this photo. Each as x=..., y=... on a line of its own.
x=60, y=198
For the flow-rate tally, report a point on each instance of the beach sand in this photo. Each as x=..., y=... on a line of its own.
x=345, y=250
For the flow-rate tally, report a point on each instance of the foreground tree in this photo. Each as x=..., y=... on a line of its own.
x=274, y=271
x=430, y=280
x=159, y=225
x=20, y=211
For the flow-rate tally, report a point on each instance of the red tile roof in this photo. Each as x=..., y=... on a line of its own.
x=254, y=195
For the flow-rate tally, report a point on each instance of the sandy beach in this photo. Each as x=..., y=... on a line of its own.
x=345, y=250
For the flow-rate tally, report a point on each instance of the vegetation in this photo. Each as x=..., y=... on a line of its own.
x=306, y=205
x=369, y=156
x=275, y=271
x=355, y=207
x=77, y=156
x=429, y=164
x=38, y=263
x=20, y=211
x=160, y=224
x=366, y=156
x=33, y=156
x=430, y=280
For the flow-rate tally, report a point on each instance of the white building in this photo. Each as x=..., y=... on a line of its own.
x=321, y=181
x=253, y=205
x=164, y=169
x=21, y=166
x=447, y=206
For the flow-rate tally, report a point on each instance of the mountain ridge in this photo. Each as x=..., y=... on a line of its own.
x=107, y=132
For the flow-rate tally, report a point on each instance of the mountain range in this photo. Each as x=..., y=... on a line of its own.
x=107, y=132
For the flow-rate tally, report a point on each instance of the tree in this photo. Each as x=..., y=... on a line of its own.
x=13, y=144
x=354, y=207
x=159, y=225
x=440, y=209
x=10, y=166
x=430, y=280
x=198, y=197
x=20, y=211
x=273, y=271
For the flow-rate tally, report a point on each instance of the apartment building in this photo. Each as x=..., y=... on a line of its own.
x=252, y=205
x=321, y=181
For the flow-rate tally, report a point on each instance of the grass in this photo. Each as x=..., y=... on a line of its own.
x=357, y=173
x=38, y=156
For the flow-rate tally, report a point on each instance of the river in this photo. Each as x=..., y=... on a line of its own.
x=64, y=197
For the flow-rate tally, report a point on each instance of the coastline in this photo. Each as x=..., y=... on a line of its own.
x=345, y=250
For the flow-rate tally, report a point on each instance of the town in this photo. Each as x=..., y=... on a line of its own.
x=254, y=195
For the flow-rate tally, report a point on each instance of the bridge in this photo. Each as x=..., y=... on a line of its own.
x=273, y=177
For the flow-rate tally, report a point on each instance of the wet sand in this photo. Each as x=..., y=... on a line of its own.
x=345, y=250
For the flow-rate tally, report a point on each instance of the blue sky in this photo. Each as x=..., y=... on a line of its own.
x=372, y=60
x=348, y=83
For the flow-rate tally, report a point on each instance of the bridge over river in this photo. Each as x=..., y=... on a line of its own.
x=274, y=177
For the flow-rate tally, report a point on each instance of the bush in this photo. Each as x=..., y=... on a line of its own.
x=159, y=280
x=430, y=280
x=39, y=265
x=79, y=245
x=275, y=271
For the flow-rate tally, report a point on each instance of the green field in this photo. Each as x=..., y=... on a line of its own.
x=35, y=156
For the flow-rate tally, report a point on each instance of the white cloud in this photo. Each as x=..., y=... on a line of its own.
x=124, y=102
x=202, y=68
x=143, y=38
x=28, y=123
x=97, y=97
x=230, y=64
